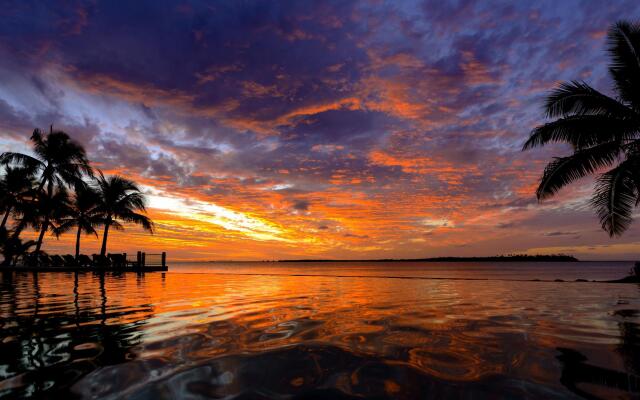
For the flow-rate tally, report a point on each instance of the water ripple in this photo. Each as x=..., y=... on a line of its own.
x=253, y=336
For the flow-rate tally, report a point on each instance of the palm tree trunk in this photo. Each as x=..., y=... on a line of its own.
x=6, y=217
x=18, y=230
x=44, y=229
x=45, y=178
x=103, y=251
x=22, y=224
x=78, y=241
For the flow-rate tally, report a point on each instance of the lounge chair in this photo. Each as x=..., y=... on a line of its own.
x=57, y=261
x=84, y=261
x=70, y=261
x=19, y=260
x=101, y=261
x=30, y=260
x=44, y=260
x=118, y=260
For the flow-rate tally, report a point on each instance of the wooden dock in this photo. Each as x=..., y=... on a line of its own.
x=142, y=262
x=19, y=268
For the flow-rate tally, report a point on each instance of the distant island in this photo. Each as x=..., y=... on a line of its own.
x=502, y=258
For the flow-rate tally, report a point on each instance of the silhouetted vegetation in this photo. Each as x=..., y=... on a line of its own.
x=16, y=188
x=603, y=131
x=11, y=247
x=55, y=190
x=83, y=214
x=501, y=258
x=119, y=199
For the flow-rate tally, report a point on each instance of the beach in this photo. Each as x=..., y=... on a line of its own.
x=377, y=330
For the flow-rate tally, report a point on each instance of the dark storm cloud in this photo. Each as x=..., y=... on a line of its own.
x=270, y=55
x=359, y=129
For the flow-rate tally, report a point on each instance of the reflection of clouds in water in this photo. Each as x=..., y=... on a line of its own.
x=223, y=335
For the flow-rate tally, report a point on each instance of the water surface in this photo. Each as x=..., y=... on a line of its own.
x=322, y=331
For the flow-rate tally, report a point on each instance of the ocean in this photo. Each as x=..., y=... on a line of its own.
x=323, y=330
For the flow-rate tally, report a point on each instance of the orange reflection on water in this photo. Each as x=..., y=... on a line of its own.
x=454, y=332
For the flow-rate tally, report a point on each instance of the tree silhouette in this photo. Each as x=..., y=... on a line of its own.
x=16, y=186
x=604, y=132
x=12, y=247
x=59, y=160
x=83, y=215
x=52, y=209
x=120, y=200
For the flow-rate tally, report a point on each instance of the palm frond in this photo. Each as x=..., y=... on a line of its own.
x=58, y=229
x=564, y=170
x=39, y=142
x=615, y=196
x=139, y=219
x=67, y=224
x=116, y=225
x=90, y=229
x=582, y=131
x=25, y=160
x=132, y=201
x=578, y=98
x=624, y=49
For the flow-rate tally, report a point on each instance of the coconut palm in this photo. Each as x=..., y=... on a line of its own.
x=120, y=200
x=16, y=186
x=51, y=210
x=12, y=248
x=59, y=160
x=604, y=133
x=84, y=214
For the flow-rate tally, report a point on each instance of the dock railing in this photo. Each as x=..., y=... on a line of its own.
x=142, y=259
x=138, y=262
x=154, y=260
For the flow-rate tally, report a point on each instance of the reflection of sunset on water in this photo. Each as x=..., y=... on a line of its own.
x=449, y=330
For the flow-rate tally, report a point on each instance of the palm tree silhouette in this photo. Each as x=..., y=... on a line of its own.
x=120, y=199
x=16, y=185
x=604, y=132
x=11, y=247
x=59, y=160
x=83, y=215
x=51, y=210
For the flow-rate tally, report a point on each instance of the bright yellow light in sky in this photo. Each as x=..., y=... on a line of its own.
x=211, y=213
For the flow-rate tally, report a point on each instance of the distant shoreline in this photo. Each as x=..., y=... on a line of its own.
x=539, y=258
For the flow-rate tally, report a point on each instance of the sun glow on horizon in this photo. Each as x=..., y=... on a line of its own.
x=197, y=210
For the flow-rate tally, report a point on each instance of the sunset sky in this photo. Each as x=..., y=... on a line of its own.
x=294, y=129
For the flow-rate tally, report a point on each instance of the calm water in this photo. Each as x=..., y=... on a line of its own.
x=322, y=331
